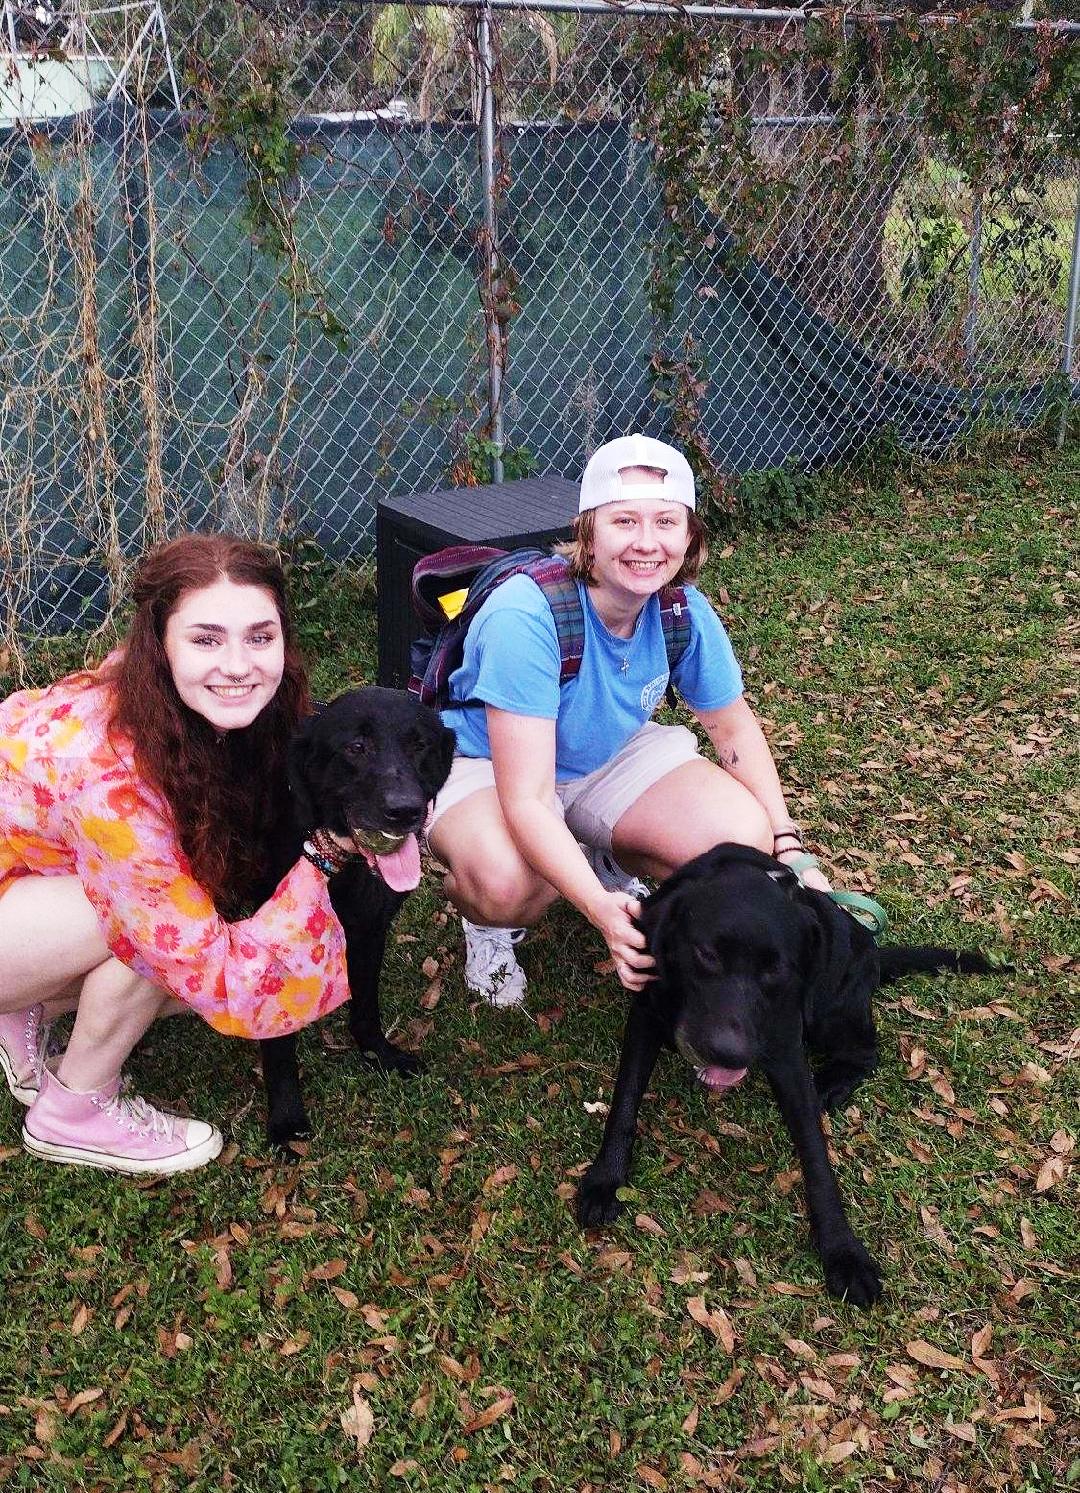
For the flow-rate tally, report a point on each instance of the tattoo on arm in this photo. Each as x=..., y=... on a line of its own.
x=728, y=756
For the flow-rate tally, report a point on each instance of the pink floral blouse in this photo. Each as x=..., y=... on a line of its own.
x=72, y=804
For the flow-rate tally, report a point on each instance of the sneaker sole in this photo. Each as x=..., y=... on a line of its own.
x=495, y=998
x=184, y=1161
x=497, y=1002
x=19, y=1091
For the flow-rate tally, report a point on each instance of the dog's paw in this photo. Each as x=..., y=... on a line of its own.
x=388, y=1058
x=286, y=1126
x=596, y=1201
x=852, y=1273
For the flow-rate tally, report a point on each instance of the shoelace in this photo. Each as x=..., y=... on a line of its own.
x=138, y=1113
x=495, y=940
x=41, y=1044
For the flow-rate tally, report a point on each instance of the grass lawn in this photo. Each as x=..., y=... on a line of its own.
x=410, y=1304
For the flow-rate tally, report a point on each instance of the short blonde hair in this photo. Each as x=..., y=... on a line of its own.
x=579, y=549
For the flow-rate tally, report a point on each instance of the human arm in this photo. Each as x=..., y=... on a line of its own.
x=262, y=976
x=523, y=757
x=742, y=750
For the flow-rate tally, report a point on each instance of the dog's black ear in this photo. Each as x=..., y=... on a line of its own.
x=447, y=746
x=660, y=920
x=302, y=749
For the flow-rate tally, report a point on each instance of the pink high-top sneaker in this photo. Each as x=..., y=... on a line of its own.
x=114, y=1129
x=24, y=1046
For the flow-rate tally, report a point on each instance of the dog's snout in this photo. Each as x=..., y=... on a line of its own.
x=728, y=1043
x=404, y=806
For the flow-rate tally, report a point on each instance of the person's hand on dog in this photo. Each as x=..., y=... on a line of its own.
x=614, y=913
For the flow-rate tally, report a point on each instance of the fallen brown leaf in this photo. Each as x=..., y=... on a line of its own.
x=933, y=1358
x=117, y=1431
x=495, y=1411
x=729, y=1386
x=330, y=1271
x=963, y=1431
x=716, y=1321
x=1050, y=1173
x=358, y=1422
x=84, y=1397
x=499, y=1178
x=839, y=1452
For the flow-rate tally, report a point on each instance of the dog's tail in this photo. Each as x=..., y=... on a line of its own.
x=928, y=959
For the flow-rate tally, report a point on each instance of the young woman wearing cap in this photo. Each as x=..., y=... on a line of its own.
x=135, y=801
x=557, y=788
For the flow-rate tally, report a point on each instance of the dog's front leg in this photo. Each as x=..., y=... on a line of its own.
x=286, y=1118
x=850, y=1270
x=642, y=1041
x=365, y=1017
x=365, y=946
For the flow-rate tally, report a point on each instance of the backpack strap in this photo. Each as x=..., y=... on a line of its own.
x=552, y=575
x=675, y=620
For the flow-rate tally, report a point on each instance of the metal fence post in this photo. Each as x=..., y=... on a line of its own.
x=490, y=236
x=1070, y=320
x=974, y=271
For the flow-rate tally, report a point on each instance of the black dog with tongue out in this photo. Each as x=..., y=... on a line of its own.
x=367, y=767
x=753, y=969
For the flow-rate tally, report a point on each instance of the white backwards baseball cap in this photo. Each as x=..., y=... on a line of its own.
x=601, y=482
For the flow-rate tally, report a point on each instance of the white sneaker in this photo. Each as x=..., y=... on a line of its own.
x=611, y=875
x=491, y=967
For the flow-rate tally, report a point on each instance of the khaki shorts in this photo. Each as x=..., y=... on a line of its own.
x=593, y=805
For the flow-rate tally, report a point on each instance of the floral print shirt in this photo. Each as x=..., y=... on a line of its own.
x=71, y=802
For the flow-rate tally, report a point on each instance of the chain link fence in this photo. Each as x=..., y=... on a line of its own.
x=263, y=263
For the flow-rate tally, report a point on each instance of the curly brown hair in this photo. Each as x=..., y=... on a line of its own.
x=579, y=549
x=224, y=792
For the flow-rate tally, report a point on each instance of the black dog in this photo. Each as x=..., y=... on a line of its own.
x=752, y=969
x=365, y=766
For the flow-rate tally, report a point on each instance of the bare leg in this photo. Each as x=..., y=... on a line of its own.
x=488, y=880
x=115, y=1008
x=691, y=809
x=52, y=950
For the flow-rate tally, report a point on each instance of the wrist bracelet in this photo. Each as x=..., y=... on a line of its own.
x=319, y=861
x=325, y=845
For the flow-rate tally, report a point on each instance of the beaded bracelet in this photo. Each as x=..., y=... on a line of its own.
x=320, y=861
x=326, y=846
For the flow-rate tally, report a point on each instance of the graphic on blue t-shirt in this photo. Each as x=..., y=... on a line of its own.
x=511, y=661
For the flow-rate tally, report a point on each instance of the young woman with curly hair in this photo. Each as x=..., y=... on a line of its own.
x=135, y=804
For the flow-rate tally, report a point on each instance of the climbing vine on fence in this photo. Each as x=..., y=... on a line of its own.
x=997, y=106
x=253, y=117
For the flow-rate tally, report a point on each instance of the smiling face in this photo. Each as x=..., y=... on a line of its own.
x=226, y=651
x=638, y=546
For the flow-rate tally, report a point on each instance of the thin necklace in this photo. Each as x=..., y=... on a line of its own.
x=628, y=644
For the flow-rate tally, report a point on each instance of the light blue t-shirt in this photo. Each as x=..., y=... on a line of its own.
x=511, y=661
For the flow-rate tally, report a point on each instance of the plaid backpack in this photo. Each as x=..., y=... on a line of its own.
x=450, y=586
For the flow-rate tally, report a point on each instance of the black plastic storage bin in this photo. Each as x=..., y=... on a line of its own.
x=530, y=511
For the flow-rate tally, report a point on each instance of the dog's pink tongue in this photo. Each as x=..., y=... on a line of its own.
x=401, y=869
x=721, y=1078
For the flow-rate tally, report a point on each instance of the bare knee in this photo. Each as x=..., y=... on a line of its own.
x=502, y=892
x=751, y=826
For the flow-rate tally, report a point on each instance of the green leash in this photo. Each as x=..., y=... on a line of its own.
x=864, y=910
